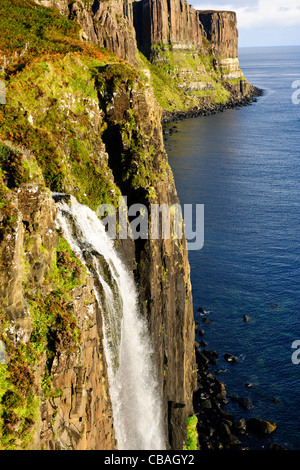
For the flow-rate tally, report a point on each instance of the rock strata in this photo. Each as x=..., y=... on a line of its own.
x=111, y=137
x=167, y=22
x=220, y=28
x=73, y=415
x=260, y=426
x=196, y=52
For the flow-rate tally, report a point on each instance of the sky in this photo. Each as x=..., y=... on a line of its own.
x=261, y=22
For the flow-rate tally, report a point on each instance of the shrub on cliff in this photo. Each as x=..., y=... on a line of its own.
x=192, y=436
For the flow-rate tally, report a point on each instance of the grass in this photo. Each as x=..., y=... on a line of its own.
x=168, y=95
x=173, y=70
x=50, y=110
x=52, y=105
x=52, y=318
x=192, y=436
x=18, y=403
x=57, y=94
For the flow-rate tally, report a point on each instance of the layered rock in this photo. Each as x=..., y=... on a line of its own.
x=94, y=132
x=82, y=407
x=100, y=135
x=179, y=25
x=220, y=28
x=162, y=265
x=197, y=50
x=75, y=413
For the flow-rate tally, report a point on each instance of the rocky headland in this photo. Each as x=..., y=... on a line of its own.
x=191, y=58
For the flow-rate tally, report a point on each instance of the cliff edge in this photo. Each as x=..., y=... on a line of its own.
x=191, y=56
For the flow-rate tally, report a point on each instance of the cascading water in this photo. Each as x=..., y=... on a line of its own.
x=134, y=390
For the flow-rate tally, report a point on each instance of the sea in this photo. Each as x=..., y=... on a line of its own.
x=244, y=166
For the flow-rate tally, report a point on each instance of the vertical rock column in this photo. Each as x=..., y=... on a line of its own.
x=162, y=270
x=220, y=28
x=108, y=23
x=166, y=22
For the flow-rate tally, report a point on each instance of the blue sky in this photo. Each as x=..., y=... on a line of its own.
x=261, y=22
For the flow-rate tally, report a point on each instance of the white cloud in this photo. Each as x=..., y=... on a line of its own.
x=264, y=13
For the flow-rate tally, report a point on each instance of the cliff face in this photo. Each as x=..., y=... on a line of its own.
x=220, y=28
x=81, y=121
x=162, y=265
x=107, y=23
x=63, y=409
x=169, y=22
x=193, y=54
x=179, y=25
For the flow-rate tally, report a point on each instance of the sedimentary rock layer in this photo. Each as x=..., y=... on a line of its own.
x=92, y=128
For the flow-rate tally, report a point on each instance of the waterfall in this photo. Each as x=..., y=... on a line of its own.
x=133, y=385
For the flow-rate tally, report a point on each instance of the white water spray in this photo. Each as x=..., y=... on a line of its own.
x=134, y=391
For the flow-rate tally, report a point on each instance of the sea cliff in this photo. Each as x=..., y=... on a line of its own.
x=83, y=117
x=191, y=57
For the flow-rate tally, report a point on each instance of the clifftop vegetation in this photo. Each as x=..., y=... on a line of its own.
x=53, y=83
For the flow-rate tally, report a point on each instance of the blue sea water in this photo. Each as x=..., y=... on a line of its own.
x=244, y=166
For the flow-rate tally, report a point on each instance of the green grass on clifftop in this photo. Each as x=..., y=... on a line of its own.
x=174, y=74
x=52, y=107
x=38, y=30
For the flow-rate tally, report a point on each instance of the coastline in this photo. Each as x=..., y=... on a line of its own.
x=207, y=108
x=217, y=428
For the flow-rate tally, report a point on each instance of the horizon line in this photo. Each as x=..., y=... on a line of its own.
x=278, y=45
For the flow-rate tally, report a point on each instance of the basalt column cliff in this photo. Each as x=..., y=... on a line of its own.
x=79, y=120
x=192, y=55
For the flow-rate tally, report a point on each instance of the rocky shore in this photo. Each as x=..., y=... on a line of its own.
x=217, y=428
x=207, y=108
